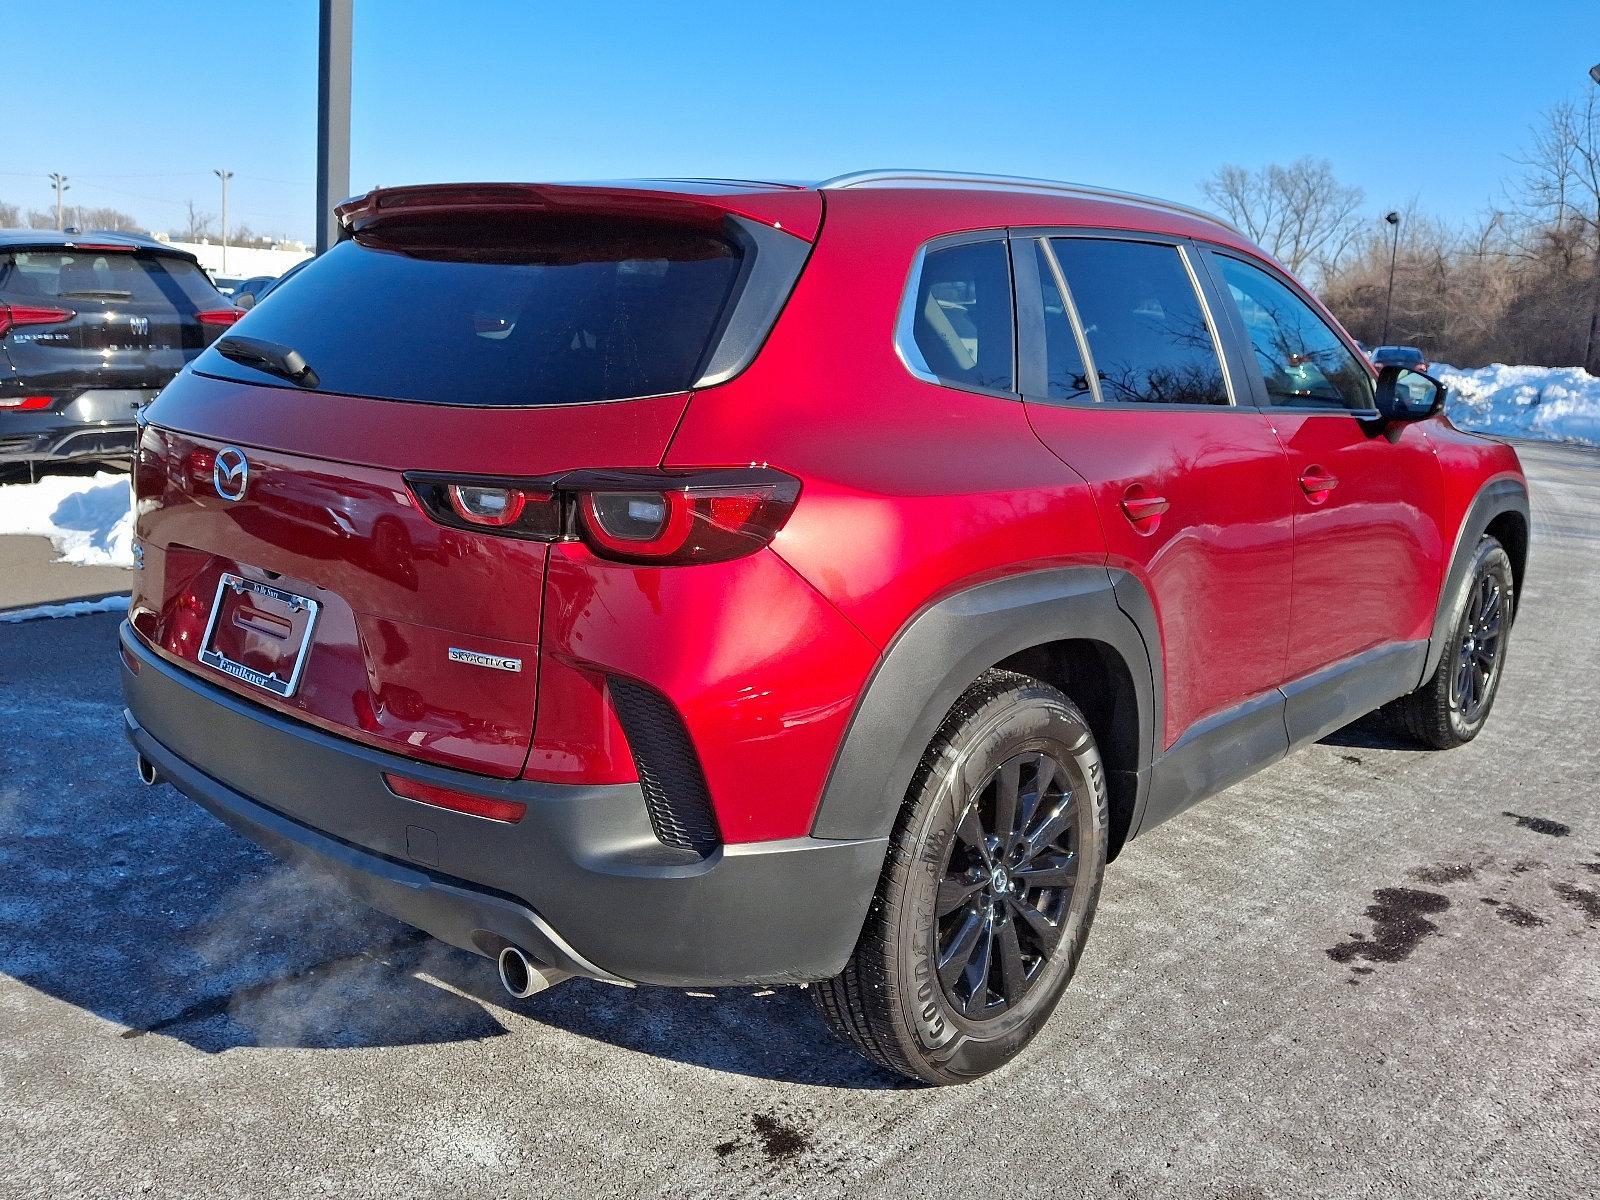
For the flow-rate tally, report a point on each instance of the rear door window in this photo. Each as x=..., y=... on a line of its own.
x=1303, y=363
x=1147, y=331
x=520, y=313
x=957, y=324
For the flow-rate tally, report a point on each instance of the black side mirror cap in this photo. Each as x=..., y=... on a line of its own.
x=1407, y=395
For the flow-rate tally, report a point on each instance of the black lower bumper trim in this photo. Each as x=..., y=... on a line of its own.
x=581, y=882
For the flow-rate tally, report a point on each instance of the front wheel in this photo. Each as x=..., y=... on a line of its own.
x=1451, y=707
x=990, y=886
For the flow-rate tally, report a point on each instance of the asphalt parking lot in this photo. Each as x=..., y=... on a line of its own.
x=1369, y=971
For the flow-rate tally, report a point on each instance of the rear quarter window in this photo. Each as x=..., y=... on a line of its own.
x=517, y=314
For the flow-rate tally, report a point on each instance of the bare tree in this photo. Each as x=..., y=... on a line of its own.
x=1560, y=200
x=1300, y=213
x=76, y=216
x=197, y=227
x=10, y=215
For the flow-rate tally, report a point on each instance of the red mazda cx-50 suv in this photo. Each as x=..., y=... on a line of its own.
x=692, y=582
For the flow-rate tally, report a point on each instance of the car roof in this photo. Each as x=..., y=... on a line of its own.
x=56, y=238
x=932, y=200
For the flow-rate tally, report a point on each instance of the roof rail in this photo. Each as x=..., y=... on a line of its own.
x=1010, y=183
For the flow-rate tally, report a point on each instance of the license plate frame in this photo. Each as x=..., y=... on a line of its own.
x=271, y=682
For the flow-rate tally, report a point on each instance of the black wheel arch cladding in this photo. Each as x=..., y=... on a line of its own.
x=940, y=652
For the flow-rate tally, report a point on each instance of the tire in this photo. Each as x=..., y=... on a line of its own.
x=1448, y=711
x=1002, y=982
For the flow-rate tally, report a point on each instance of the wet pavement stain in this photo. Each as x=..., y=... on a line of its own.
x=1351, y=758
x=1585, y=901
x=1593, y=868
x=1399, y=919
x=1444, y=873
x=1515, y=914
x=1542, y=825
x=776, y=1138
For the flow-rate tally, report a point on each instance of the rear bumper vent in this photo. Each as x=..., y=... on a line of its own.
x=675, y=794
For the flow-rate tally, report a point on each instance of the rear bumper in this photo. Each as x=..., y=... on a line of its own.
x=97, y=423
x=580, y=882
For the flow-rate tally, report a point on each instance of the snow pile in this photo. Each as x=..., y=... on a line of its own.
x=87, y=518
x=74, y=608
x=1554, y=404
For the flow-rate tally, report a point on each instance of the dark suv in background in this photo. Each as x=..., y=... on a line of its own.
x=92, y=325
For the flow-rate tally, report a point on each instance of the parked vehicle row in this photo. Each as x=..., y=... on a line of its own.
x=704, y=583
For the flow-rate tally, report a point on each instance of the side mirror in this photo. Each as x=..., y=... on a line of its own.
x=1407, y=395
x=244, y=301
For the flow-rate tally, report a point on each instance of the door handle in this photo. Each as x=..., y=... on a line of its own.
x=1317, y=483
x=1138, y=507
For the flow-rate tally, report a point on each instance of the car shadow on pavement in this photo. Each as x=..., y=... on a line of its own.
x=134, y=904
x=1370, y=732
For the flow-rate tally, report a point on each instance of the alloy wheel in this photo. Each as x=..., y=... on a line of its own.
x=1480, y=648
x=1007, y=886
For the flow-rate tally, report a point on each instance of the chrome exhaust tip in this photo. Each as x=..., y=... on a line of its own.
x=522, y=976
x=148, y=775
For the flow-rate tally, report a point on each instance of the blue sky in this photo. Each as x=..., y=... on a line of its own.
x=1424, y=100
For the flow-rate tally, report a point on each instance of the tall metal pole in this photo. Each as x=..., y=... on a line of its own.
x=1394, y=248
x=333, y=115
x=60, y=183
x=224, y=176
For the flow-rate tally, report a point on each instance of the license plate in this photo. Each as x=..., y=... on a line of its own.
x=259, y=634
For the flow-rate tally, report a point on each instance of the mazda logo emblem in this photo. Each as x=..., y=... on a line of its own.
x=231, y=473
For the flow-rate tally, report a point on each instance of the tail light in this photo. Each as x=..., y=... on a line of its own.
x=219, y=316
x=643, y=516
x=12, y=315
x=26, y=403
x=508, y=811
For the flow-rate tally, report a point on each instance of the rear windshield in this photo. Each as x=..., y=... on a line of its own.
x=502, y=315
x=137, y=279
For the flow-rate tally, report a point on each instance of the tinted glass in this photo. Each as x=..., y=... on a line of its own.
x=143, y=280
x=961, y=315
x=520, y=313
x=1066, y=378
x=1303, y=361
x=1146, y=330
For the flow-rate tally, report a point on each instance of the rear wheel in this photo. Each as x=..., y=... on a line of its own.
x=1451, y=708
x=989, y=889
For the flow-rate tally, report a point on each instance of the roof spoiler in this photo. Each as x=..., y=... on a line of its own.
x=795, y=211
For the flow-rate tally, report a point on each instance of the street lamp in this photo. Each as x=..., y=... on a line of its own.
x=1394, y=248
x=1594, y=72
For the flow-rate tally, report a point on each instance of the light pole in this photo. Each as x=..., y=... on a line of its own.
x=1394, y=248
x=224, y=176
x=59, y=182
x=333, y=115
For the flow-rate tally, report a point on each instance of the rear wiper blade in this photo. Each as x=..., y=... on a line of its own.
x=282, y=361
x=93, y=293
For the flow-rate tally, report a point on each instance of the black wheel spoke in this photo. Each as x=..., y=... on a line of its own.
x=977, y=973
x=1055, y=823
x=1058, y=871
x=1013, y=972
x=970, y=831
x=1007, y=793
x=1044, y=931
x=958, y=890
x=954, y=961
